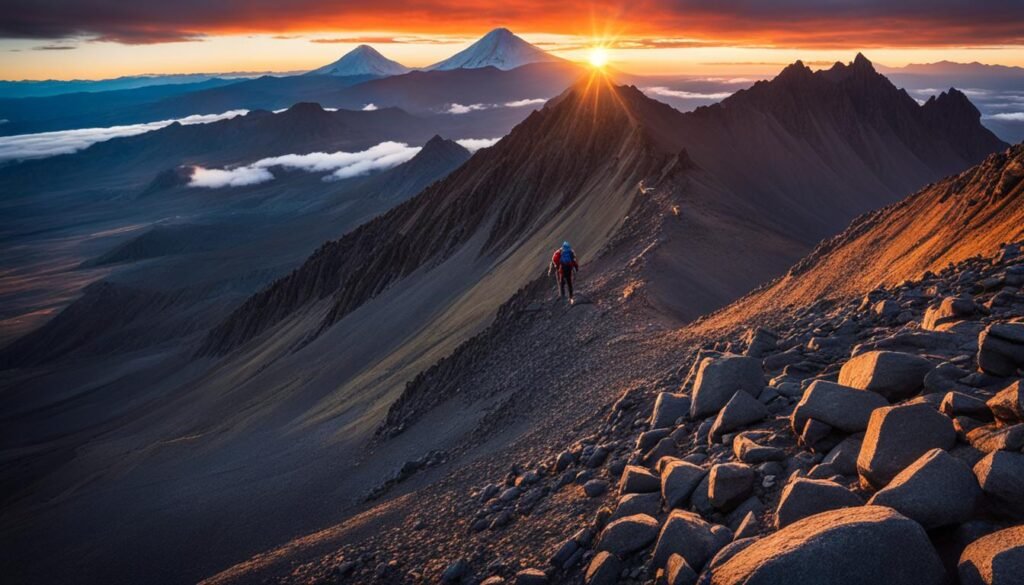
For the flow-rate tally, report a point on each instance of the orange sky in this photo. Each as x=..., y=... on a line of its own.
x=104, y=38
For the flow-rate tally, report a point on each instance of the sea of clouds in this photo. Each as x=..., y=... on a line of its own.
x=334, y=165
x=457, y=108
x=43, y=144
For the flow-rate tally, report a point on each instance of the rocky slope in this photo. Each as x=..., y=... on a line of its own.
x=878, y=430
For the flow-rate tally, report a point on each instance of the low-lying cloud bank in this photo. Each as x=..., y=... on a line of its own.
x=338, y=165
x=686, y=95
x=43, y=144
x=457, y=108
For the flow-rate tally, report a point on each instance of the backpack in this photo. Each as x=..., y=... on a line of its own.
x=567, y=256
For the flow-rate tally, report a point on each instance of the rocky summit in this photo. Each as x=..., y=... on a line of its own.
x=844, y=441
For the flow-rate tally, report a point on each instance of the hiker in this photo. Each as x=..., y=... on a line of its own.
x=563, y=263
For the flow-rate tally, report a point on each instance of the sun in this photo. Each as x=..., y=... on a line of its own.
x=598, y=57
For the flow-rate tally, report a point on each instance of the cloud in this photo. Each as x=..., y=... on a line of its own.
x=461, y=109
x=54, y=48
x=43, y=144
x=370, y=107
x=339, y=165
x=1008, y=116
x=688, y=95
x=475, y=144
x=524, y=103
x=789, y=23
x=216, y=178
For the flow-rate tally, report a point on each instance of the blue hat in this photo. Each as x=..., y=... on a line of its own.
x=566, y=245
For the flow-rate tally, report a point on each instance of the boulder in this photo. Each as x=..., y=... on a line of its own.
x=665, y=448
x=992, y=437
x=741, y=410
x=896, y=437
x=936, y=490
x=843, y=457
x=638, y=480
x=842, y=407
x=530, y=577
x=678, y=480
x=1001, y=476
x=1008, y=405
x=865, y=545
x=760, y=342
x=802, y=498
x=959, y=404
x=689, y=536
x=719, y=378
x=455, y=572
x=595, y=487
x=669, y=407
x=892, y=374
x=628, y=535
x=679, y=572
x=948, y=312
x=649, y=439
x=631, y=504
x=604, y=569
x=995, y=559
x=729, y=484
x=1001, y=348
x=748, y=450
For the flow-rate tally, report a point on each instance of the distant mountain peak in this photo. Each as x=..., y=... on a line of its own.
x=362, y=60
x=861, y=61
x=499, y=48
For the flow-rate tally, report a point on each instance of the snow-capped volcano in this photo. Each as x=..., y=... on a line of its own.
x=362, y=60
x=498, y=48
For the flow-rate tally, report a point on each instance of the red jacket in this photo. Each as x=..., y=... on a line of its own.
x=556, y=259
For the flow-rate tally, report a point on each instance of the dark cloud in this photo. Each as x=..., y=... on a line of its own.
x=54, y=48
x=797, y=23
x=371, y=40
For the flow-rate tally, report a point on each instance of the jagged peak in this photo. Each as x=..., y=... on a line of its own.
x=861, y=61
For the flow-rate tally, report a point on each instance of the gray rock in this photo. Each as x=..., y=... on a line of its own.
x=679, y=572
x=628, y=535
x=531, y=577
x=1001, y=476
x=604, y=569
x=510, y=494
x=729, y=484
x=667, y=408
x=760, y=342
x=843, y=457
x=565, y=459
x=936, y=490
x=945, y=377
x=456, y=571
x=595, y=487
x=749, y=527
x=689, y=536
x=993, y=437
x=948, y=312
x=665, y=448
x=802, y=498
x=748, y=450
x=638, y=480
x=741, y=410
x=896, y=437
x=753, y=504
x=678, y=480
x=649, y=439
x=719, y=378
x=866, y=545
x=960, y=404
x=894, y=375
x=1001, y=348
x=565, y=552
x=1008, y=405
x=995, y=559
x=842, y=407
x=631, y=504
